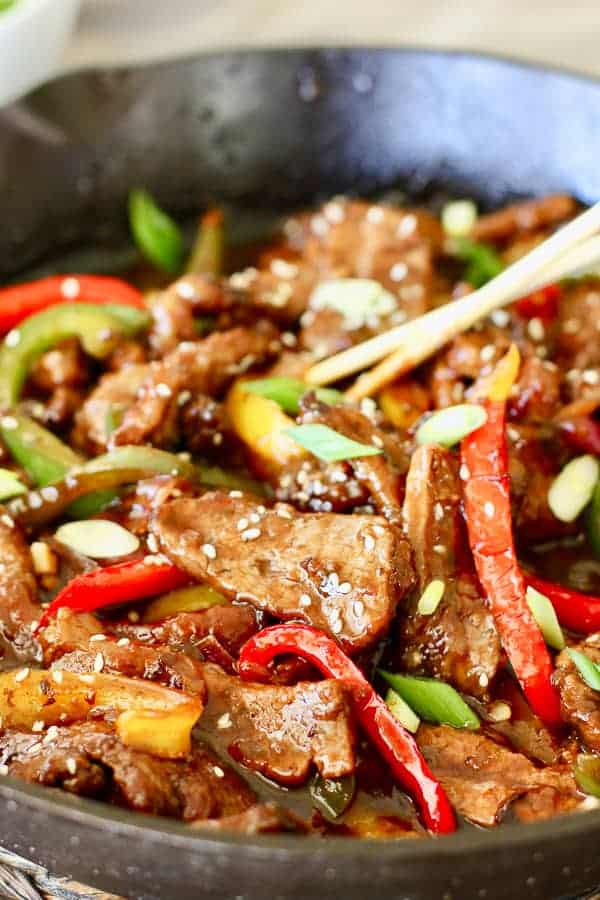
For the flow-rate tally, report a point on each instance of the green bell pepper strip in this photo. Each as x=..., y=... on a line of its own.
x=208, y=251
x=97, y=327
x=157, y=236
x=332, y=796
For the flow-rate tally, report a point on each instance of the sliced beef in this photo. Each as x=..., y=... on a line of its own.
x=467, y=357
x=19, y=607
x=104, y=407
x=538, y=391
x=580, y=704
x=262, y=818
x=458, y=642
x=215, y=634
x=281, y=731
x=90, y=760
x=71, y=641
x=344, y=574
x=578, y=347
x=482, y=778
x=380, y=475
x=529, y=215
x=205, y=367
x=136, y=508
x=317, y=486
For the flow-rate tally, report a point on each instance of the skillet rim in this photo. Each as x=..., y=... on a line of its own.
x=96, y=814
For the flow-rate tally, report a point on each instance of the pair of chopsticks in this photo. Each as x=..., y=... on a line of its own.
x=573, y=249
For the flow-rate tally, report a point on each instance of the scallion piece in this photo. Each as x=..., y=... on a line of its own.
x=402, y=711
x=544, y=615
x=287, y=392
x=587, y=773
x=483, y=263
x=573, y=487
x=10, y=486
x=586, y=667
x=458, y=218
x=431, y=597
x=433, y=700
x=98, y=538
x=329, y=445
x=156, y=234
x=449, y=426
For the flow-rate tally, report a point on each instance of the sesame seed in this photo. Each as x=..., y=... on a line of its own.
x=57, y=676
x=500, y=317
x=283, y=269
x=358, y=608
x=183, y=398
x=439, y=548
x=51, y=734
x=483, y=680
x=219, y=772
x=98, y=663
x=71, y=765
x=590, y=376
x=334, y=212
x=336, y=626
x=250, y=534
x=152, y=543
x=242, y=524
x=38, y=725
x=7, y=520
x=489, y=509
x=98, y=637
x=70, y=288
x=377, y=441
x=500, y=712
x=464, y=472
x=369, y=542
x=186, y=290
x=398, y=271
x=22, y=675
x=254, y=518
x=345, y=587
x=571, y=326
x=438, y=512
x=406, y=226
x=9, y=422
x=12, y=338
x=235, y=494
x=512, y=433
x=319, y=226
x=217, y=439
x=163, y=390
x=375, y=215
x=304, y=600
x=536, y=330
x=123, y=642
x=133, y=615
x=34, y=500
x=49, y=493
x=224, y=722
x=487, y=353
x=209, y=551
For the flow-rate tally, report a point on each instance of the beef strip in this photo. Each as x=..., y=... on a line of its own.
x=19, y=609
x=71, y=642
x=380, y=475
x=529, y=215
x=89, y=759
x=343, y=574
x=482, y=778
x=281, y=731
x=458, y=642
x=262, y=818
x=578, y=347
x=580, y=704
x=205, y=367
x=214, y=634
x=115, y=393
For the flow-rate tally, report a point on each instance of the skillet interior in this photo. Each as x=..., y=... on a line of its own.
x=271, y=129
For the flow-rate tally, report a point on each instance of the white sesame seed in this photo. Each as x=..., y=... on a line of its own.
x=152, y=543
x=369, y=542
x=98, y=663
x=304, y=600
x=250, y=534
x=358, y=608
x=57, y=676
x=500, y=317
x=224, y=722
x=123, y=642
x=51, y=734
x=487, y=353
x=398, y=271
x=406, y=226
x=218, y=771
x=571, y=326
x=336, y=626
x=34, y=500
x=377, y=441
x=464, y=472
x=9, y=422
x=12, y=338
x=439, y=548
x=163, y=390
x=334, y=212
x=7, y=520
x=209, y=551
x=71, y=765
x=38, y=725
x=375, y=215
x=22, y=675
x=590, y=376
x=345, y=587
x=133, y=615
x=70, y=288
x=183, y=397
x=438, y=512
x=281, y=268
x=489, y=509
x=235, y=494
x=500, y=712
x=254, y=518
x=98, y=637
x=535, y=329
x=319, y=225
x=242, y=524
x=483, y=680
x=49, y=493
x=186, y=290
x=288, y=339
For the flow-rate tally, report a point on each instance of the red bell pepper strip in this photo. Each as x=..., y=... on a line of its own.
x=487, y=508
x=20, y=301
x=577, y=611
x=112, y=585
x=395, y=744
x=542, y=304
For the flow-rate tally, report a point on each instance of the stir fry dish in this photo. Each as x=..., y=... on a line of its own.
x=235, y=598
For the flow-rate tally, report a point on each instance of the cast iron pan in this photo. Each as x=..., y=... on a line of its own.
x=281, y=129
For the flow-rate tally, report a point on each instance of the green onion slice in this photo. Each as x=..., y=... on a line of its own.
x=10, y=485
x=587, y=773
x=433, y=700
x=402, y=711
x=544, y=615
x=449, y=426
x=587, y=668
x=458, y=218
x=287, y=392
x=156, y=234
x=431, y=597
x=573, y=487
x=483, y=263
x=329, y=445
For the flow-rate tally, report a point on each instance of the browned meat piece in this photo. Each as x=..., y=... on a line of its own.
x=205, y=367
x=317, y=486
x=344, y=574
x=544, y=803
x=215, y=634
x=262, y=818
x=19, y=609
x=59, y=410
x=136, y=508
x=467, y=357
x=206, y=430
x=527, y=216
x=116, y=392
x=458, y=642
x=380, y=475
x=126, y=353
x=524, y=731
x=578, y=347
x=89, y=759
x=482, y=778
x=580, y=704
x=537, y=391
x=72, y=641
x=64, y=366
x=281, y=731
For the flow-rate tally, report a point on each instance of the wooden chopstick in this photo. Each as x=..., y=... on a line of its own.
x=415, y=341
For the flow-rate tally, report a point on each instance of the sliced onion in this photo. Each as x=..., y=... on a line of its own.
x=544, y=615
x=431, y=597
x=402, y=711
x=98, y=538
x=572, y=489
x=458, y=218
x=449, y=426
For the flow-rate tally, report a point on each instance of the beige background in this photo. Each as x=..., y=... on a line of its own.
x=555, y=32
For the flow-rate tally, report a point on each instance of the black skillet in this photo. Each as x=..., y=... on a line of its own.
x=281, y=129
